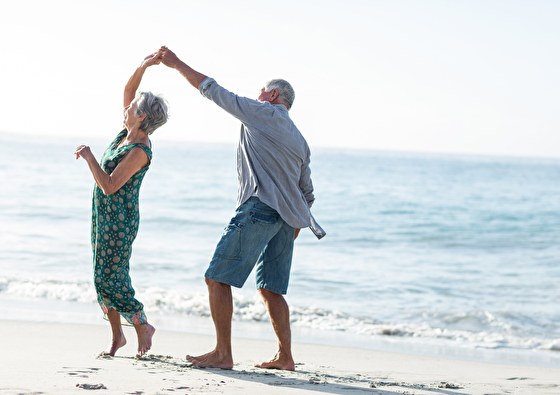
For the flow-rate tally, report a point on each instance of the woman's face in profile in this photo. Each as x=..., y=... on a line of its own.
x=130, y=116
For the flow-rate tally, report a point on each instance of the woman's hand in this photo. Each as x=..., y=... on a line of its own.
x=151, y=59
x=84, y=152
x=132, y=162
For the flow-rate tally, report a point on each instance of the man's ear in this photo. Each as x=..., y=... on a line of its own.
x=274, y=94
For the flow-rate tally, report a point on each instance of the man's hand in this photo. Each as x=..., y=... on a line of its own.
x=168, y=57
x=296, y=233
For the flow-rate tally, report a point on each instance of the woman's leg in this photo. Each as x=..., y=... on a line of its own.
x=118, y=340
x=145, y=332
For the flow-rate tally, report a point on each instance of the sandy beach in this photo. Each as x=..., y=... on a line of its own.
x=56, y=358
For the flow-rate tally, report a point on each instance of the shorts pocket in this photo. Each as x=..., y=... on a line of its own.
x=267, y=217
x=229, y=246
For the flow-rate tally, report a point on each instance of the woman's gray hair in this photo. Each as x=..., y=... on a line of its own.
x=286, y=95
x=155, y=108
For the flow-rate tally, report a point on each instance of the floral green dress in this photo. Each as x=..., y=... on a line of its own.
x=114, y=226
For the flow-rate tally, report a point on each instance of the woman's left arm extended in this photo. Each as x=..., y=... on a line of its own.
x=134, y=81
x=111, y=183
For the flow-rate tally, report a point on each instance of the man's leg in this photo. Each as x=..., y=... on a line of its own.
x=236, y=254
x=221, y=307
x=279, y=313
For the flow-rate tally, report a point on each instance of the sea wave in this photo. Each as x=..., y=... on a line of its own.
x=251, y=309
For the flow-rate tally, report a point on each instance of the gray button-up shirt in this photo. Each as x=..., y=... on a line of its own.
x=272, y=155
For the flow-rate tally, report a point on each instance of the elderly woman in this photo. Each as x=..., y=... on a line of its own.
x=115, y=213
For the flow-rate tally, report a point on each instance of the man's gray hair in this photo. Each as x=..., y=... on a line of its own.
x=155, y=108
x=286, y=95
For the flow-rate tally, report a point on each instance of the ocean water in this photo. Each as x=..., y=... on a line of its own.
x=439, y=250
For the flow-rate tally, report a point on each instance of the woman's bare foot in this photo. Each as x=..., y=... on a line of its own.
x=213, y=359
x=116, y=343
x=280, y=362
x=145, y=332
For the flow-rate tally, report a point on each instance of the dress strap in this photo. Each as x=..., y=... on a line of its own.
x=146, y=149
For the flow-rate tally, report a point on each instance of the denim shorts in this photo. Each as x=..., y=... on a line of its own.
x=257, y=235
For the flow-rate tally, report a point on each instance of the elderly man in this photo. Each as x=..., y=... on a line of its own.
x=274, y=196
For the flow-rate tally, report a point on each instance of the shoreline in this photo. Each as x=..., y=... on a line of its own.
x=67, y=312
x=53, y=358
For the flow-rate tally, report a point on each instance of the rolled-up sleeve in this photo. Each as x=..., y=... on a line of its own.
x=204, y=85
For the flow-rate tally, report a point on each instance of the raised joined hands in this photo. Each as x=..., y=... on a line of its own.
x=152, y=59
x=168, y=57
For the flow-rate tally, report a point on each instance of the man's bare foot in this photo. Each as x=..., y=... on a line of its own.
x=212, y=360
x=115, y=345
x=145, y=332
x=278, y=362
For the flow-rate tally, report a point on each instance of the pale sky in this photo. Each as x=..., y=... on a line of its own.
x=458, y=76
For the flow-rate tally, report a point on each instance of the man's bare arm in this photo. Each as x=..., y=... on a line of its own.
x=169, y=59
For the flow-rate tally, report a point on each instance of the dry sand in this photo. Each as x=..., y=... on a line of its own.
x=55, y=358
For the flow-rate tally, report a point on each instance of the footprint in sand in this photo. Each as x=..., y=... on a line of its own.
x=451, y=386
x=78, y=372
x=91, y=386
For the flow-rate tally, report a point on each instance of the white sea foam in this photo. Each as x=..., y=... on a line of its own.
x=251, y=309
